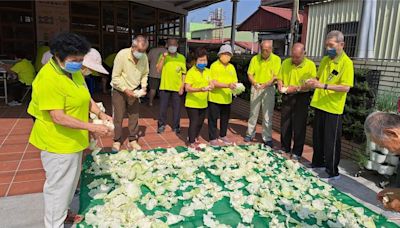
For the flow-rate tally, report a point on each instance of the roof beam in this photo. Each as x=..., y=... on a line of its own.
x=165, y=5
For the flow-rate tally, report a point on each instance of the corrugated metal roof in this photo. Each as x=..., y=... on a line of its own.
x=268, y=18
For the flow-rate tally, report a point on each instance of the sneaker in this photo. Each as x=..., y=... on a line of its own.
x=134, y=145
x=161, y=129
x=214, y=142
x=296, y=157
x=116, y=146
x=333, y=177
x=248, y=138
x=269, y=143
x=225, y=141
x=14, y=103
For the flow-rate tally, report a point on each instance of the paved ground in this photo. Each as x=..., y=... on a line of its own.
x=22, y=175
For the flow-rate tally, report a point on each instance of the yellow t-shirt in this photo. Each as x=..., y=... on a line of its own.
x=222, y=74
x=53, y=90
x=172, y=71
x=339, y=71
x=292, y=75
x=25, y=70
x=109, y=60
x=261, y=68
x=197, y=79
x=40, y=52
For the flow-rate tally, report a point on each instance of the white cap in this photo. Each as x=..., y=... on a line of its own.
x=226, y=48
x=93, y=61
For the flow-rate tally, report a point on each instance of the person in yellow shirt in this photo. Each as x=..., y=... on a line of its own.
x=61, y=104
x=129, y=83
x=24, y=73
x=172, y=66
x=224, y=79
x=335, y=77
x=295, y=99
x=40, y=52
x=262, y=73
x=197, y=85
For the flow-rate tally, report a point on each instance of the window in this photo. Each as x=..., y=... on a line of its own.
x=349, y=30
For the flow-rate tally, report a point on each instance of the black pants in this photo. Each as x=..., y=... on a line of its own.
x=294, y=114
x=196, y=121
x=327, y=133
x=17, y=90
x=215, y=111
x=165, y=96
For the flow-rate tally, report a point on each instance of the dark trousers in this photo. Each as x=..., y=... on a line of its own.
x=215, y=111
x=294, y=114
x=196, y=121
x=327, y=133
x=165, y=96
x=123, y=104
x=18, y=90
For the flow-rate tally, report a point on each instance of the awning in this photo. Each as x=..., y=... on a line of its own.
x=181, y=6
x=268, y=18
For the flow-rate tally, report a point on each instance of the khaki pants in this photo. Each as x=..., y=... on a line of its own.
x=123, y=104
x=264, y=99
x=62, y=176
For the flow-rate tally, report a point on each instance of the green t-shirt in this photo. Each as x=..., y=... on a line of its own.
x=25, y=70
x=292, y=75
x=223, y=74
x=197, y=79
x=261, y=69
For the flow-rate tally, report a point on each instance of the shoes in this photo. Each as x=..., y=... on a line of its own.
x=225, y=141
x=134, y=145
x=269, y=143
x=296, y=157
x=161, y=129
x=214, y=142
x=14, y=103
x=116, y=146
x=248, y=138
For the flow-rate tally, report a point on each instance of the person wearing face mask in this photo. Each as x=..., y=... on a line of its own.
x=335, y=77
x=61, y=103
x=172, y=66
x=295, y=99
x=130, y=72
x=197, y=85
x=154, y=76
x=224, y=79
x=262, y=73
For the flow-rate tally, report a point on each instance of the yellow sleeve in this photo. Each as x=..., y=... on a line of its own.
x=251, y=69
x=189, y=77
x=16, y=68
x=234, y=77
x=281, y=71
x=213, y=72
x=184, y=70
x=116, y=80
x=277, y=65
x=321, y=67
x=347, y=77
x=313, y=69
x=50, y=94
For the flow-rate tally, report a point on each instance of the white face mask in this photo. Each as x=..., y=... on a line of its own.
x=86, y=72
x=172, y=49
x=138, y=55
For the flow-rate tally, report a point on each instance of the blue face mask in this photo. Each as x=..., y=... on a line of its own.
x=138, y=55
x=331, y=52
x=201, y=66
x=72, y=67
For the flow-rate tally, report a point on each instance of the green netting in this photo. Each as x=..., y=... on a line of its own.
x=222, y=210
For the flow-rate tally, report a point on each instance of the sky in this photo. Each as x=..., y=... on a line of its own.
x=244, y=10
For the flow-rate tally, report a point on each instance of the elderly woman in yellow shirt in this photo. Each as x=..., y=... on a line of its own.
x=61, y=103
x=197, y=85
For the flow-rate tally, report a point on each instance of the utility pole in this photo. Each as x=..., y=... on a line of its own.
x=294, y=24
x=233, y=24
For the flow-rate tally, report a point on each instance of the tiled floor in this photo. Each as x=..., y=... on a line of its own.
x=21, y=171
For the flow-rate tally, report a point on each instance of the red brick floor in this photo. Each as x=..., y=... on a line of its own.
x=21, y=170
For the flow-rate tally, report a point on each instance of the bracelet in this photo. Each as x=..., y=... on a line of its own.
x=326, y=86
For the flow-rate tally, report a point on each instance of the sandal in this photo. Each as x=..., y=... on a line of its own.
x=73, y=218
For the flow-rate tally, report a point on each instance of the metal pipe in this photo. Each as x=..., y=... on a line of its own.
x=233, y=24
x=293, y=22
x=371, y=31
x=365, y=23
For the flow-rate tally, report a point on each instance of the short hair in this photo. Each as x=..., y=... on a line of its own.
x=140, y=37
x=169, y=39
x=67, y=43
x=200, y=52
x=266, y=41
x=377, y=122
x=338, y=35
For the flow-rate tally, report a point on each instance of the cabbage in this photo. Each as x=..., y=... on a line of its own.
x=238, y=89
